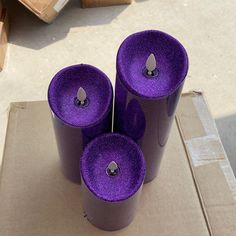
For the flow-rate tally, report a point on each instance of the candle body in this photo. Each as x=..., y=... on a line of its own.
x=110, y=202
x=145, y=106
x=109, y=216
x=71, y=142
x=148, y=122
x=76, y=126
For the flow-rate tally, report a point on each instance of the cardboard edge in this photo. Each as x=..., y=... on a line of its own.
x=215, y=164
x=49, y=13
x=5, y=20
x=4, y=34
x=11, y=109
x=33, y=9
x=192, y=93
x=36, y=12
x=200, y=198
x=39, y=14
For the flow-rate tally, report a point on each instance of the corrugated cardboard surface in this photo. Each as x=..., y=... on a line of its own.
x=36, y=199
x=103, y=3
x=46, y=10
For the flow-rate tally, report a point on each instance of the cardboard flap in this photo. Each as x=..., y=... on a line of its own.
x=211, y=169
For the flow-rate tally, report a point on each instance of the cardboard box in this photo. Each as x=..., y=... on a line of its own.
x=103, y=3
x=194, y=194
x=4, y=31
x=211, y=170
x=46, y=10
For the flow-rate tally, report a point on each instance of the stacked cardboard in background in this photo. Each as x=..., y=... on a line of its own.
x=4, y=30
x=46, y=10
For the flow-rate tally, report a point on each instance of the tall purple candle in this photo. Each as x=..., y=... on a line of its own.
x=80, y=98
x=112, y=171
x=151, y=68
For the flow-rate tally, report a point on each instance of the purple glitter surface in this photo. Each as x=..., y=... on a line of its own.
x=172, y=63
x=63, y=90
x=96, y=158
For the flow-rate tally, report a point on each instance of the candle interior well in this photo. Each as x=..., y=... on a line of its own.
x=129, y=158
x=171, y=57
x=63, y=92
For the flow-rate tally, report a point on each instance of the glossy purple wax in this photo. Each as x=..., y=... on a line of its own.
x=74, y=125
x=110, y=202
x=145, y=105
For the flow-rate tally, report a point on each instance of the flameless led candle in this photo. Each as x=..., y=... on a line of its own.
x=151, y=69
x=80, y=98
x=112, y=171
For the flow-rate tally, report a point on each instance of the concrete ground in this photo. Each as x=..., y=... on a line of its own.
x=207, y=29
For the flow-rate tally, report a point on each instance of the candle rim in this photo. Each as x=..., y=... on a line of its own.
x=142, y=159
x=108, y=105
x=123, y=78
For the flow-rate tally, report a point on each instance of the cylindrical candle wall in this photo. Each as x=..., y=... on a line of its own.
x=112, y=171
x=151, y=68
x=80, y=98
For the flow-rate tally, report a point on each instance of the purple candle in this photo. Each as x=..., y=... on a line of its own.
x=112, y=171
x=80, y=98
x=151, y=68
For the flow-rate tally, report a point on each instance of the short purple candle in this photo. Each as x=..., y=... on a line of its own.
x=77, y=122
x=147, y=91
x=112, y=171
